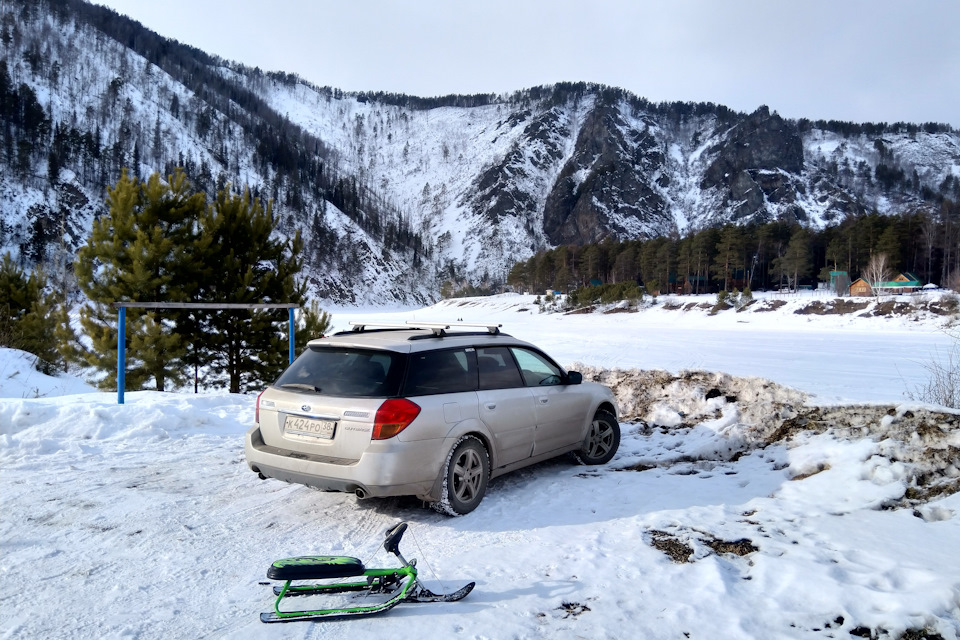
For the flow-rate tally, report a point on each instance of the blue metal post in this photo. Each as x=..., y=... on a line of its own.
x=292, y=347
x=121, y=352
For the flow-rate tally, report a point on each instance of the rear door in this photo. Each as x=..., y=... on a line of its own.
x=443, y=383
x=506, y=405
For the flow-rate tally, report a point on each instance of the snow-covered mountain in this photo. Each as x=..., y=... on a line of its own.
x=395, y=194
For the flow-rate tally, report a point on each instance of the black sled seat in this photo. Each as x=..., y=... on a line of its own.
x=315, y=568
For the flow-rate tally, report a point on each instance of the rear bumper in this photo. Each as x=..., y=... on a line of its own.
x=399, y=469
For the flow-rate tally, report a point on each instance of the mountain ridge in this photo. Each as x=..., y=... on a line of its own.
x=396, y=194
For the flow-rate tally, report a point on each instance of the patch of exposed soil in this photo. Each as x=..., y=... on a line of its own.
x=667, y=543
x=739, y=547
x=638, y=467
x=838, y=306
x=892, y=308
x=683, y=552
x=944, y=307
x=575, y=312
x=909, y=634
x=572, y=609
x=621, y=310
x=769, y=305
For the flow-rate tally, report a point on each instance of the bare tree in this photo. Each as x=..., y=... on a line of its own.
x=877, y=272
x=943, y=383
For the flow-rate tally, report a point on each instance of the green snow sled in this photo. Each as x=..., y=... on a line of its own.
x=398, y=584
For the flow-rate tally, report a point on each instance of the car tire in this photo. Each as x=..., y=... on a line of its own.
x=602, y=441
x=465, y=476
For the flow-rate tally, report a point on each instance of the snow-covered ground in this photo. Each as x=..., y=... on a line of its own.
x=719, y=518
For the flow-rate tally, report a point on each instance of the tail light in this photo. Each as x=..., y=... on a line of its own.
x=256, y=418
x=394, y=416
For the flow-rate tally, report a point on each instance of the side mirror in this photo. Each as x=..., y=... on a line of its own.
x=574, y=377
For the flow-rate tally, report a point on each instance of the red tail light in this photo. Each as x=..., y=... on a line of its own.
x=257, y=412
x=394, y=416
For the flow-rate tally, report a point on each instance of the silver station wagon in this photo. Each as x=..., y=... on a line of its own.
x=425, y=409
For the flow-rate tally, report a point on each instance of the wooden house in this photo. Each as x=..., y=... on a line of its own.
x=860, y=287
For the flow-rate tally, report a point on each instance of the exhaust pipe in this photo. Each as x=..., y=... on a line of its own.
x=361, y=493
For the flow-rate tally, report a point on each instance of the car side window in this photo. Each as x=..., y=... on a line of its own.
x=446, y=371
x=497, y=369
x=536, y=369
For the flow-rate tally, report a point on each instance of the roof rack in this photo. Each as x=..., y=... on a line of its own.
x=438, y=328
x=362, y=325
x=443, y=326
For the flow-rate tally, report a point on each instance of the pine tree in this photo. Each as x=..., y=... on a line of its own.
x=795, y=262
x=729, y=254
x=68, y=343
x=312, y=323
x=28, y=317
x=138, y=253
x=235, y=235
x=889, y=244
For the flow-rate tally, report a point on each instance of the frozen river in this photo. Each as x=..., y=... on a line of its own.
x=836, y=358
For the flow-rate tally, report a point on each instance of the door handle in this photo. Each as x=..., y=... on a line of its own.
x=544, y=400
x=491, y=405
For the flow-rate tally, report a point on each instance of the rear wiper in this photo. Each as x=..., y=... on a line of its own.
x=300, y=385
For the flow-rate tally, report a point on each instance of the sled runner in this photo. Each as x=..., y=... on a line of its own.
x=398, y=584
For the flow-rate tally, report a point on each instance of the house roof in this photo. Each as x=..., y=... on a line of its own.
x=905, y=279
x=902, y=281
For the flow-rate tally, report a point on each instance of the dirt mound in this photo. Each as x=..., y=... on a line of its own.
x=840, y=306
x=752, y=413
x=638, y=391
x=769, y=305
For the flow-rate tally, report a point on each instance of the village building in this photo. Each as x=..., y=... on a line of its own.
x=905, y=282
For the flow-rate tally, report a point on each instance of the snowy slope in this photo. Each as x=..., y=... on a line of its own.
x=89, y=84
x=716, y=520
x=19, y=379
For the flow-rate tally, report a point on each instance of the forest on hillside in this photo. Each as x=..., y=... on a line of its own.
x=756, y=257
x=37, y=145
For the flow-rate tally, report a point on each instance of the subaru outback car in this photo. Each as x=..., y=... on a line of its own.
x=420, y=409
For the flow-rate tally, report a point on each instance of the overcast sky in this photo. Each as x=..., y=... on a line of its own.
x=857, y=60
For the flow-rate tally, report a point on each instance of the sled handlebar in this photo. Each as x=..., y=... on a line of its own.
x=393, y=536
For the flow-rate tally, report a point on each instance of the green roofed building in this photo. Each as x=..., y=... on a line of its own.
x=906, y=282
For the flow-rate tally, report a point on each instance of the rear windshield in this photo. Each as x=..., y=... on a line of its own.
x=345, y=372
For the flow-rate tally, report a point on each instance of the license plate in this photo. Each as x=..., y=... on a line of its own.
x=309, y=427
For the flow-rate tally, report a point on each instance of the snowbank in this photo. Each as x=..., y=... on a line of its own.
x=738, y=507
x=19, y=379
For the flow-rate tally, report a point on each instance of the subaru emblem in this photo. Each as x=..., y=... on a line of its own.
x=305, y=407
